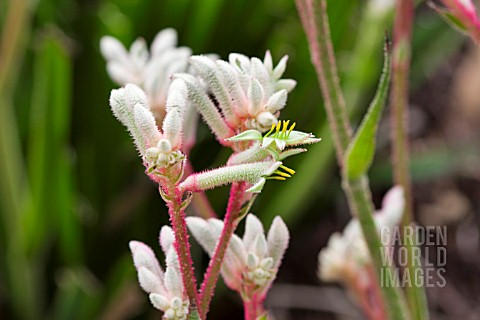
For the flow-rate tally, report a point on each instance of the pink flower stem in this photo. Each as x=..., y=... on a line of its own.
x=207, y=290
x=402, y=33
x=253, y=307
x=182, y=246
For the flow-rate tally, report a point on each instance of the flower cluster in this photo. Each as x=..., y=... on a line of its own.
x=247, y=93
x=149, y=70
x=159, y=150
x=346, y=257
x=165, y=289
x=240, y=100
x=252, y=262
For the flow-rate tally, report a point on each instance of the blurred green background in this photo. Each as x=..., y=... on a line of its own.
x=73, y=191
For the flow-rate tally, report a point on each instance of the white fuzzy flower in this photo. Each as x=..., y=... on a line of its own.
x=247, y=93
x=251, y=262
x=149, y=70
x=157, y=149
x=346, y=254
x=165, y=290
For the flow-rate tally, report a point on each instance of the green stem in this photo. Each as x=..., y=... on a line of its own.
x=400, y=147
x=360, y=202
x=315, y=23
x=317, y=29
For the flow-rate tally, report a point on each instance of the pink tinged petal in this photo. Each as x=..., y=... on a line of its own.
x=164, y=40
x=231, y=80
x=252, y=261
x=240, y=62
x=278, y=237
x=267, y=61
x=253, y=227
x=259, y=72
x=143, y=256
x=266, y=119
x=147, y=126
x=159, y=301
x=166, y=239
x=121, y=74
x=149, y=281
x=206, y=107
x=113, y=50
x=173, y=283
x=280, y=68
x=277, y=101
x=260, y=246
x=134, y=95
x=173, y=127
x=202, y=232
x=256, y=95
x=207, y=69
x=287, y=84
x=139, y=53
x=249, y=172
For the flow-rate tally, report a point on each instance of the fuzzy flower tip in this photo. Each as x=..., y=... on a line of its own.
x=165, y=289
x=151, y=70
x=346, y=255
x=248, y=93
x=158, y=149
x=279, y=143
x=251, y=263
x=256, y=174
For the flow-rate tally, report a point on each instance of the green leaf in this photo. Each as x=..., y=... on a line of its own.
x=361, y=150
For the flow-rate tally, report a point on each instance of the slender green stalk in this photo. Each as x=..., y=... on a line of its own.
x=315, y=22
x=323, y=58
x=399, y=122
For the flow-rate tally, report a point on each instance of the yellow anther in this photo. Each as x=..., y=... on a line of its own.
x=285, y=125
x=283, y=174
x=277, y=178
x=279, y=124
x=271, y=130
x=291, y=171
x=291, y=128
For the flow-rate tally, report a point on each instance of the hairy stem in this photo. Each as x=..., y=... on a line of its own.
x=253, y=308
x=207, y=290
x=400, y=147
x=182, y=246
x=323, y=58
x=315, y=23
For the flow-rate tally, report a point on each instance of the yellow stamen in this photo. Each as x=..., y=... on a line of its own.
x=271, y=130
x=291, y=171
x=277, y=178
x=279, y=124
x=283, y=174
x=291, y=128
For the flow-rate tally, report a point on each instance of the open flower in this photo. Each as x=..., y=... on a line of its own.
x=159, y=150
x=346, y=257
x=165, y=289
x=273, y=142
x=251, y=263
x=241, y=94
x=149, y=70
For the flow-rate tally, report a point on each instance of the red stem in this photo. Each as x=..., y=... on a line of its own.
x=235, y=202
x=182, y=246
x=253, y=308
